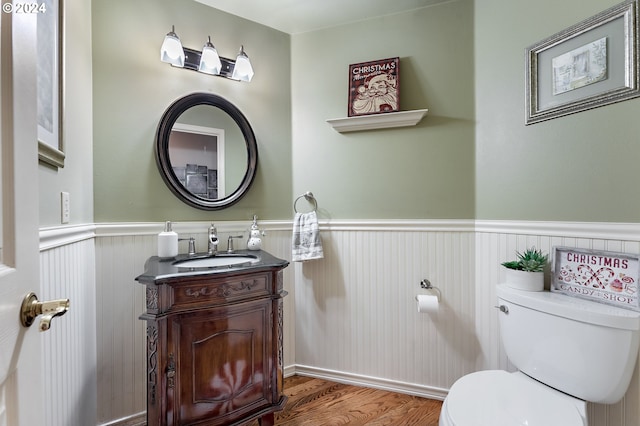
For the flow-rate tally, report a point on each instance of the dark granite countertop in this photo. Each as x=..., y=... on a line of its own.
x=157, y=269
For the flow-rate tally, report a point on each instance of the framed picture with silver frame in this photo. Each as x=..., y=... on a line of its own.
x=50, y=82
x=588, y=65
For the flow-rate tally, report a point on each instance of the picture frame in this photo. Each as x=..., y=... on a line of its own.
x=50, y=84
x=584, y=74
x=374, y=87
x=601, y=276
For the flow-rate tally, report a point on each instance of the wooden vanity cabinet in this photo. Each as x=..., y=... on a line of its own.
x=214, y=347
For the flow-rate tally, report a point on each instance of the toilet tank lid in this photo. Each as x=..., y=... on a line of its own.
x=572, y=307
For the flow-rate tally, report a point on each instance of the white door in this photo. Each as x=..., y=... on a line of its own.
x=21, y=399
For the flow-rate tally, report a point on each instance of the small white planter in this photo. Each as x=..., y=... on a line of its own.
x=523, y=280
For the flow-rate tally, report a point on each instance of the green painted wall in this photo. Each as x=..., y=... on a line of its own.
x=132, y=88
x=472, y=156
x=582, y=167
x=418, y=172
x=76, y=176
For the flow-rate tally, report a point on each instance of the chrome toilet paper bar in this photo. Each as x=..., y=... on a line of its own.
x=431, y=289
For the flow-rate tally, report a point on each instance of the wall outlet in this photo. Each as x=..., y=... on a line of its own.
x=65, y=205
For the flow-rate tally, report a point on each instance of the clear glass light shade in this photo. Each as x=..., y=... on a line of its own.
x=209, y=59
x=171, y=50
x=243, y=70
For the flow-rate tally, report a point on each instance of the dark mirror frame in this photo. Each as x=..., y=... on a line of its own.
x=162, y=150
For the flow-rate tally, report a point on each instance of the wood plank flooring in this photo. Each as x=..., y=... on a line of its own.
x=316, y=402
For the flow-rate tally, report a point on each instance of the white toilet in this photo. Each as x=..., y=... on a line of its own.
x=568, y=351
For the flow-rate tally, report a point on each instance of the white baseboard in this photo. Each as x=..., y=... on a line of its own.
x=371, y=382
x=139, y=419
x=289, y=370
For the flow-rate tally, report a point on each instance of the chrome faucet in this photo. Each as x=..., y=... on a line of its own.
x=230, y=242
x=213, y=240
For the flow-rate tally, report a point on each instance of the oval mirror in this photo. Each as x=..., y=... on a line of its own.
x=206, y=151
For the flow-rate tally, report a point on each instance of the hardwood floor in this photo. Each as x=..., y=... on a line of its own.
x=317, y=402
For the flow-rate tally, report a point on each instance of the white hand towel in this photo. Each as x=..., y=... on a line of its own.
x=306, y=244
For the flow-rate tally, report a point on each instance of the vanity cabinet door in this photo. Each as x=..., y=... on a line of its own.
x=219, y=363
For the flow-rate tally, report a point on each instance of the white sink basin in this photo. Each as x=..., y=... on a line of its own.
x=216, y=261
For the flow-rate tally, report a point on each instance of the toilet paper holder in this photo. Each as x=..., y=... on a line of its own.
x=431, y=289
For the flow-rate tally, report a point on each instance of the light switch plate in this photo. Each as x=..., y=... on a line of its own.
x=65, y=207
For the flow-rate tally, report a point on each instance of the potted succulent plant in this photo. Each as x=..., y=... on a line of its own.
x=527, y=272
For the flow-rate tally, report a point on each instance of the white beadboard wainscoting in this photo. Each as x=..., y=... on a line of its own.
x=349, y=317
x=67, y=271
x=356, y=313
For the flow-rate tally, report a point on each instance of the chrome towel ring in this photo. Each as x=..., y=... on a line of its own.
x=309, y=197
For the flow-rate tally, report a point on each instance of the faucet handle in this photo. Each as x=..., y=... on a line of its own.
x=230, y=242
x=192, y=245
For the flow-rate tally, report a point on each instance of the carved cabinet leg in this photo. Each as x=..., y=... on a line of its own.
x=267, y=420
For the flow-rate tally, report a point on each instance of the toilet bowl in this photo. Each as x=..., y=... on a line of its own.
x=567, y=351
x=499, y=398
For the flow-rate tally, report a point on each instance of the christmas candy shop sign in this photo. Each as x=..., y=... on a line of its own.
x=600, y=276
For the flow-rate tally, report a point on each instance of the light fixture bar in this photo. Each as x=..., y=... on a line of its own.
x=192, y=62
x=173, y=52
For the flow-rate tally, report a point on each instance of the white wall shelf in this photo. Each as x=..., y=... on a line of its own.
x=377, y=121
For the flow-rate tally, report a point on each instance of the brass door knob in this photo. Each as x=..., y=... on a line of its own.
x=31, y=308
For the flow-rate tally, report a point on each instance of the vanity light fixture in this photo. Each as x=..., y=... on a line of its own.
x=243, y=70
x=208, y=61
x=171, y=50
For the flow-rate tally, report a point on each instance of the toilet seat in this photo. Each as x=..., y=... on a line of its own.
x=499, y=398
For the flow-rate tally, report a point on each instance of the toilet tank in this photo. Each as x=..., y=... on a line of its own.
x=583, y=348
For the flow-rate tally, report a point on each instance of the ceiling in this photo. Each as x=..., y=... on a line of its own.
x=299, y=16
